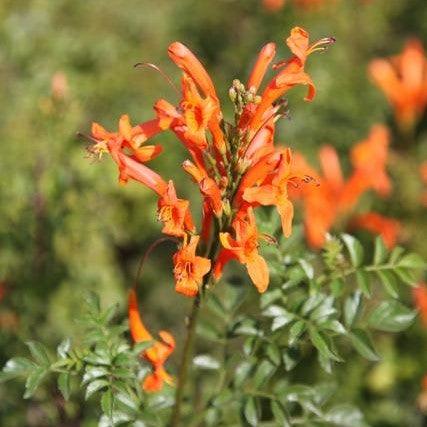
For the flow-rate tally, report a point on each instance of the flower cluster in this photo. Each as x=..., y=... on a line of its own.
x=235, y=165
x=336, y=197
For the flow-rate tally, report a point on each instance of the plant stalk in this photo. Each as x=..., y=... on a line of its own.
x=185, y=360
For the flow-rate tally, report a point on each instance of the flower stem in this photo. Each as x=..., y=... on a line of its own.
x=185, y=360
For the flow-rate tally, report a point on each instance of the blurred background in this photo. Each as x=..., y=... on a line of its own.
x=66, y=226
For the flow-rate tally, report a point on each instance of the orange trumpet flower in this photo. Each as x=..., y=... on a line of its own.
x=244, y=248
x=174, y=213
x=189, y=269
x=157, y=354
x=403, y=79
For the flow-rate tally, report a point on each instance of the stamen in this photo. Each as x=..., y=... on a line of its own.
x=161, y=72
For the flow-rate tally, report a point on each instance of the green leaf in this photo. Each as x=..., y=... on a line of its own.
x=352, y=308
x=380, y=251
x=325, y=363
x=281, y=321
x=269, y=297
x=274, y=354
x=205, y=361
x=242, y=372
x=92, y=300
x=391, y=316
x=395, y=254
x=406, y=276
x=279, y=414
x=389, y=282
x=63, y=348
x=39, y=353
x=107, y=403
x=413, y=261
x=34, y=380
x=312, y=303
x=320, y=341
x=142, y=346
x=333, y=325
x=18, y=366
x=64, y=384
x=263, y=373
x=249, y=345
x=363, y=282
x=363, y=344
x=214, y=304
x=291, y=358
x=345, y=416
x=295, y=331
x=354, y=248
x=250, y=411
x=94, y=386
x=92, y=373
x=246, y=327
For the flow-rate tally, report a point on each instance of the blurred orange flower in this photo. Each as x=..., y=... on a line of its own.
x=403, y=79
x=420, y=301
x=335, y=197
x=387, y=228
x=157, y=354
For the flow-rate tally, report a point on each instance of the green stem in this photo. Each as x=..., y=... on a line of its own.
x=185, y=360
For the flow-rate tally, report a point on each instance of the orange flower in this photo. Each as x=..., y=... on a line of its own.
x=244, y=248
x=174, y=213
x=403, y=79
x=267, y=54
x=420, y=301
x=274, y=191
x=292, y=73
x=157, y=354
x=387, y=228
x=130, y=138
x=369, y=159
x=187, y=61
x=335, y=197
x=189, y=269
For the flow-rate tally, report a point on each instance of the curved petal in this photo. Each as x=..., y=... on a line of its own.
x=258, y=271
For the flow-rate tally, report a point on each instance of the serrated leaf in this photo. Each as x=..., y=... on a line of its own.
x=352, y=308
x=107, y=403
x=325, y=363
x=205, y=361
x=64, y=384
x=363, y=282
x=275, y=311
x=324, y=310
x=94, y=386
x=391, y=316
x=39, y=353
x=250, y=411
x=406, y=275
x=295, y=331
x=34, y=380
x=320, y=341
x=380, y=251
x=363, y=344
x=354, y=248
x=389, y=282
x=246, y=327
